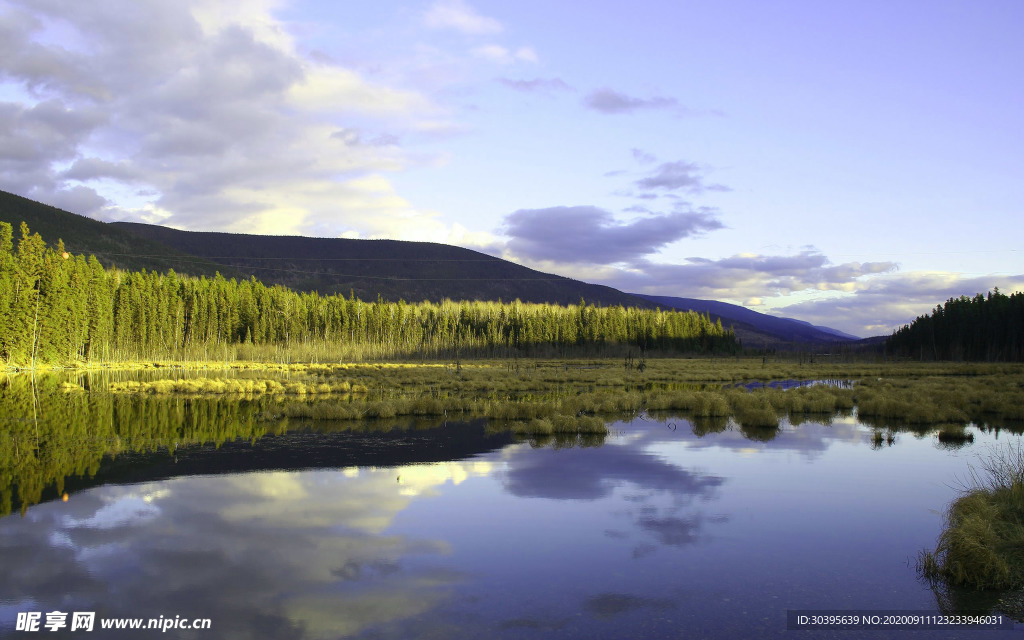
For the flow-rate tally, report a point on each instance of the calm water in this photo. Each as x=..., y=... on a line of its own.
x=449, y=532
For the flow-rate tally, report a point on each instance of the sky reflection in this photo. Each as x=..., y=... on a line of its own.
x=657, y=532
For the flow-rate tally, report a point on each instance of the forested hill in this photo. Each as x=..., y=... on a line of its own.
x=113, y=247
x=60, y=308
x=393, y=269
x=980, y=328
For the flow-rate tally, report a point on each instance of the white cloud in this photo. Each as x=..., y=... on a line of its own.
x=459, y=16
x=501, y=55
x=209, y=106
x=543, y=85
x=332, y=89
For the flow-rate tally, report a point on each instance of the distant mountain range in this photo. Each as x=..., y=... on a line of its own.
x=784, y=329
x=390, y=269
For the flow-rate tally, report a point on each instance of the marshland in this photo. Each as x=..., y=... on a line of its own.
x=297, y=465
x=578, y=495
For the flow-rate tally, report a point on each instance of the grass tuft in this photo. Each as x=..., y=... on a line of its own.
x=982, y=546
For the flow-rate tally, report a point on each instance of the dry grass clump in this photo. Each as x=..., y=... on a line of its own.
x=982, y=546
x=922, y=403
x=233, y=386
x=561, y=424
x=817, y=398
x=694, y=403
x=752, y=409
x=954, y=436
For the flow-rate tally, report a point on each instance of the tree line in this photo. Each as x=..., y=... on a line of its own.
x=57, y=308
x=988, y=328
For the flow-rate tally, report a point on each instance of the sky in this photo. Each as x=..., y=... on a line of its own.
x=851, y=164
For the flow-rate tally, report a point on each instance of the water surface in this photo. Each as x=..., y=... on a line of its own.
x=450, y=531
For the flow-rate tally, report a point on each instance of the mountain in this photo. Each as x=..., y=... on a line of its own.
x=113, y=247
x=392, y=269
x=753, y=327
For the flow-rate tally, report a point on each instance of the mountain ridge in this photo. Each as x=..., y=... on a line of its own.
x=782, y=329
x=390, y=269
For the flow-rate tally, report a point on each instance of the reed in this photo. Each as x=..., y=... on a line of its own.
x=982, y=544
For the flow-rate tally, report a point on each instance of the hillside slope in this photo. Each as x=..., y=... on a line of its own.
x=393, y=269
x=772, y=328
x=113, y=247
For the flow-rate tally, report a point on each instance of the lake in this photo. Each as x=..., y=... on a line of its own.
x=452, y=530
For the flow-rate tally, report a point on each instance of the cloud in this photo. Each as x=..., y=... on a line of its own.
x=677, y=176
x=586, y=234
x=40, y=67
x=881, y=305
x=750, y=275
x=642, y=156
x=770, y=279
x=501, y=55
x=860, y=298
x=613, y=102
x=79, y=199
x=210, y=107
x=34, y=137
x=537, y=85
x=459, y=16
x=98, y=169
x=355, y=138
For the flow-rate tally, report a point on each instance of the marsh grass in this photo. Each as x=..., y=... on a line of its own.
x=954, y=436
x=233, y=386
x=753, y=410
x=982, y=545
x=917, y=397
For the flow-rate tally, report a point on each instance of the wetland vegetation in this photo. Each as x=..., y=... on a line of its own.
x=979, y=557
x=146, y=365
x=982, y=546
x=65, y=424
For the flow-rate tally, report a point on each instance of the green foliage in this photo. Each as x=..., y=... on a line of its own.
x=62, y=309
x=989, y=328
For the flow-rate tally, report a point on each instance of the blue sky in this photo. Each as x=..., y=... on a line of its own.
x=847, y=163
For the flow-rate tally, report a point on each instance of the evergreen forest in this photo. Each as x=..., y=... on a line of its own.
x=982, y=328
x=59, y=308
